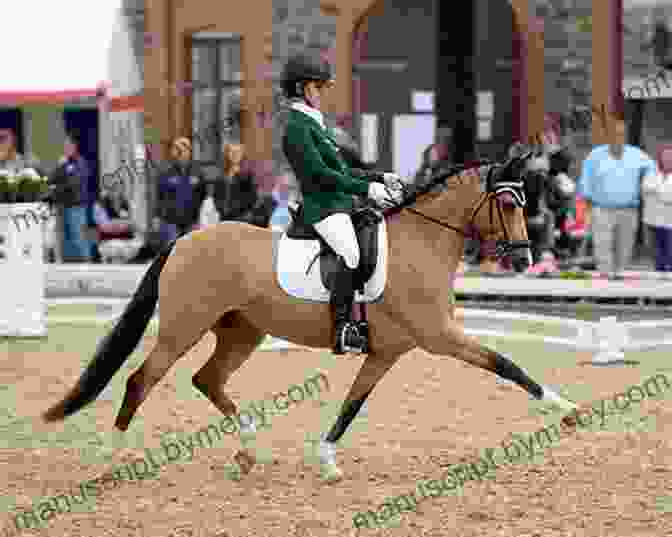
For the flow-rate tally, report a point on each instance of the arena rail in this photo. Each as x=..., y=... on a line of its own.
x=608, y=339
x=121, y=280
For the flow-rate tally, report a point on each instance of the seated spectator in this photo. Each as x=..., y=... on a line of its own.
x=111, y=215
x=116, y=236
x=657, y=211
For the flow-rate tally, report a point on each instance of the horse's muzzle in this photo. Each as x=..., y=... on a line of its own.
x=517, y=252
x=521, y=260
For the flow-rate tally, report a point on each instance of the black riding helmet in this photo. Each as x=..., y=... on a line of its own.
x=302, y=68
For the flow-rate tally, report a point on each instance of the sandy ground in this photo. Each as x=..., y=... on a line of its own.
x=427, y=414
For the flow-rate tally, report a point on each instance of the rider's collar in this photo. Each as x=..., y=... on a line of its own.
x=309, y=111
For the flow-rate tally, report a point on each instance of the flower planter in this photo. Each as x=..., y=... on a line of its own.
x=22, y=270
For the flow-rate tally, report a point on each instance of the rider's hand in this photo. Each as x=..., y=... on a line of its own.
x=393, y=180
x=383, y=196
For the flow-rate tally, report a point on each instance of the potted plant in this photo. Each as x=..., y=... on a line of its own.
x=26, y=186
x=4, y=186
x=8, y=186
x=30, y=186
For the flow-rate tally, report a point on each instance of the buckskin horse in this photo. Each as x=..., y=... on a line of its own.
x=204, y=283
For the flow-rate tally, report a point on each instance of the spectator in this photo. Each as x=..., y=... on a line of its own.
x=540, y=217
x=69, y=190
x=89, y=187
x=11, y=159
x=111, y=214
x=561, y=197
x=657, y=194
x=661, y=41
x=610, y=184
x=181, y=190
x=238, y=197
x=281, y=193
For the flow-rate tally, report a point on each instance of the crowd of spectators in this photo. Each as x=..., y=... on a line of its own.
x=620, y=195
x=93, y=224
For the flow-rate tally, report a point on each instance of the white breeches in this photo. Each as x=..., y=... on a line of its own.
x=339, y=233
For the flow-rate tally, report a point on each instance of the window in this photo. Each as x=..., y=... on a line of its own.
x=216, y=91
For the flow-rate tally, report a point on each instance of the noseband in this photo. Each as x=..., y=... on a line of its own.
x=498, y=248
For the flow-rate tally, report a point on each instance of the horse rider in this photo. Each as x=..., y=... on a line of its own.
x=327, y=185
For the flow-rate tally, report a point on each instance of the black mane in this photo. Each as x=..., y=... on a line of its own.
x=411, y=193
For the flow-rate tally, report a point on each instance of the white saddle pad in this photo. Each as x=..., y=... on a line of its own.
x=293, y=256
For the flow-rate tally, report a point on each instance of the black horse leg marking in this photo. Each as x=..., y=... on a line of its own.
x=348, y=413
x=506, y=369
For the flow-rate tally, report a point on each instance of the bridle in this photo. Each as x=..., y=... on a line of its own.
x=497, y=247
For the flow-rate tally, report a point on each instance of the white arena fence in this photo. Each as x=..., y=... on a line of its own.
x=608, y=338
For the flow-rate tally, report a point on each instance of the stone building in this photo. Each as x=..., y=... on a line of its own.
x=407, y=72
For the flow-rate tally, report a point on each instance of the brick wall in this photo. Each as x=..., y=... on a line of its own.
x=567, y=73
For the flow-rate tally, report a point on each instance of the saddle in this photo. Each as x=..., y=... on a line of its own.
x=365, y=221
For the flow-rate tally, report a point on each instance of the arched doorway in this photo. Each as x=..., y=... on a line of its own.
x=420, y=74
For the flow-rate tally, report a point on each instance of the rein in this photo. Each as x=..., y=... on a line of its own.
x=498, y=247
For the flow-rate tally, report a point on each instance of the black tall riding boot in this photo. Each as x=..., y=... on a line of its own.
x=348, y=338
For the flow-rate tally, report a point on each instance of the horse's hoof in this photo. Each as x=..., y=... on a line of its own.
x=245, y=461
x=555, y=399
x=331, y=473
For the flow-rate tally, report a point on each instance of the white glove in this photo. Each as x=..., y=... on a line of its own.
x=392, y=180
x=383, y=196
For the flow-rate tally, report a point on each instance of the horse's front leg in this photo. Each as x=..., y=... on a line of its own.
x=375, y=366
x=447, y=337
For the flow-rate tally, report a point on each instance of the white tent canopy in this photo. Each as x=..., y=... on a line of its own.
x=60, y=49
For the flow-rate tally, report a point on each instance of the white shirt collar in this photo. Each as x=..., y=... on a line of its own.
x=309, y=111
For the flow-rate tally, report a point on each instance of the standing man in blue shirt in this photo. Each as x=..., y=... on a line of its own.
x=610, y=182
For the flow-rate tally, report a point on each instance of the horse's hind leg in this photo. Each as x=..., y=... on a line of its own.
x=173, y=341
x=236, y=340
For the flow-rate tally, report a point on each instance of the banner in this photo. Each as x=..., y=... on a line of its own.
x=22, y=270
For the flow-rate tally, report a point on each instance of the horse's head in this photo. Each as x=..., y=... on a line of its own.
x=498, y=218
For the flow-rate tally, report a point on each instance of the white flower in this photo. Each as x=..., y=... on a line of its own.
x=30, y=172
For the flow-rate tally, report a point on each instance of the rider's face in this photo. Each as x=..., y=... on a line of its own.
x=314, y=92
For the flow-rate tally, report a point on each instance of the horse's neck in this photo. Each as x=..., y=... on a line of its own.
x=454, y=205
x=433, y=248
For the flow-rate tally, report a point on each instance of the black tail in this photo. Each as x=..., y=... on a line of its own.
x=116, y=346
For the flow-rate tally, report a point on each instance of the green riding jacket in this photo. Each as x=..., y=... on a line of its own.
x=326, y=182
